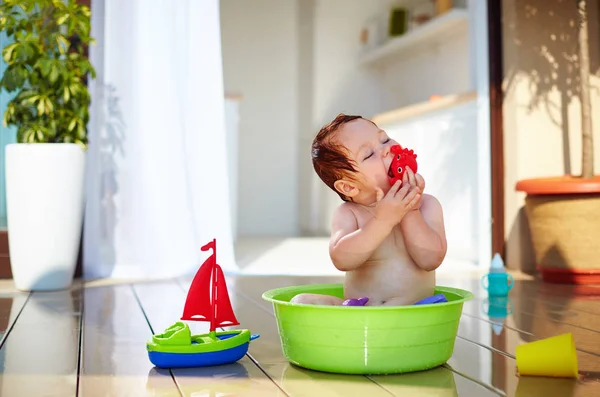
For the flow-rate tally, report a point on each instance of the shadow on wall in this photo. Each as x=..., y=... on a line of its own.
x=520, y=237
x=545, y=45
x=546, y=35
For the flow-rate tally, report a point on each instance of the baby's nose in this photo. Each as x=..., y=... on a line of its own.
x=386, y=151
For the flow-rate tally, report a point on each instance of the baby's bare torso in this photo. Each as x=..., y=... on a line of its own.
x=390, y=276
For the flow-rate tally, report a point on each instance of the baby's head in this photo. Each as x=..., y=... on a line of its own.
x=352, y=156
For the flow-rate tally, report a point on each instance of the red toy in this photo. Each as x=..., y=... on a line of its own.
x=403, y=158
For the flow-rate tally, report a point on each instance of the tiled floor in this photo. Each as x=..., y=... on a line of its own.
x=90, y=341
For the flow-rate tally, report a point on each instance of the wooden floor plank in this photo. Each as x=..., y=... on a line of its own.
x=574, y=298
x=533, y=316
x=478, y=355
x=509, y=336
x=114, y=360
x=535, y=327
x=163, y=304
x=559, y=309
x=439, y=381
x=267, y=351
x=11, y=305
x=533, y=321
x=253, y=289
x=507, y=342
x=555, y=302
x=40, y=354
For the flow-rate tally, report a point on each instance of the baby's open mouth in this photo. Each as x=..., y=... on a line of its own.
x=390, y=171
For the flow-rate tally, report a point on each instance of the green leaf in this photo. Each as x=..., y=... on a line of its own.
x=51, y=102
x=8, y=51
x=48, y=105
x=72, y=124
x=14, y=78
x=80, y=130
x=40, y=134
x=5, y=119
x=41, y=107
x=33, y=99
x=63, y=44
x=29, y=135
x=53, y=74
x=62, y=19
x=45, y=66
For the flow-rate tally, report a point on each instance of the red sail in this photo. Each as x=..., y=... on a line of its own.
x=197, y=304
x=224, y=315
x=209, y=245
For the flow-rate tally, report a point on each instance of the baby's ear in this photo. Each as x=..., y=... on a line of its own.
x=346, y=187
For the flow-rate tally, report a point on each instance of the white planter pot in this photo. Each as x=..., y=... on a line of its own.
x=44, y=199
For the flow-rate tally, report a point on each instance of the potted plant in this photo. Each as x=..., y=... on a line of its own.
x=564, y=212
x=46, y=74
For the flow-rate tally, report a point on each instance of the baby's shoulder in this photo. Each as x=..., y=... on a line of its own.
x=345, y=210
x=431, y=200
x=349, y=211
x=431, y=207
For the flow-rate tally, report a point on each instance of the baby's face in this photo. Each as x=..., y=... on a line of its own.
x=369, y=147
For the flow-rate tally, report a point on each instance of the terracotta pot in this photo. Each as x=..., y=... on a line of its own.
x=564, y=218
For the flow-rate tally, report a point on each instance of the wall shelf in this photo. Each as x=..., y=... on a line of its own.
x=431, y=33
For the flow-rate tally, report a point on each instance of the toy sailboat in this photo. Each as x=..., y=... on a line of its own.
x=207, y=300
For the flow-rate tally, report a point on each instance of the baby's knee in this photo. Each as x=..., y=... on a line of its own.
x=316, y=299
x=306, y=299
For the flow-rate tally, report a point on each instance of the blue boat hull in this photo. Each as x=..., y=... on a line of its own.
x=184, y=360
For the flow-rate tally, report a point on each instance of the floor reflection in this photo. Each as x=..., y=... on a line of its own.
x=437, y=382
x=530, y=386
x=533, y=311
x=222, y=381
x=497, y=308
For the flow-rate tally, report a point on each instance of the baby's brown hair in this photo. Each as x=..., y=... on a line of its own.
x=330, y=159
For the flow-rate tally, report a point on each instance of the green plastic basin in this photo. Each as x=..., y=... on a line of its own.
x=366, y=340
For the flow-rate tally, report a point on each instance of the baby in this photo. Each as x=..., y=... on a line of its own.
x=387, y=239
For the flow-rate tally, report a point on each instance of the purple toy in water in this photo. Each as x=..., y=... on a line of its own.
x=355, y=302
x=439, y=298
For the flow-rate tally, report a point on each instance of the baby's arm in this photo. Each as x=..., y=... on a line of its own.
x=351, y=246
x=424, y=234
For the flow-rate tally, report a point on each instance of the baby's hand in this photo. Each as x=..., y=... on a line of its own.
x=397, y=202
x=415, y=180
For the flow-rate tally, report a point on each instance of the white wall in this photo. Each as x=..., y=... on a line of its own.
x=446, y=145
x=296, y=63
x=440, y=70
x=232, y=120
x=342, y=85
x=260, y=61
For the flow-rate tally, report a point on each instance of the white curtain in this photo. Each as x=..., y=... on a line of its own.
x=157, y=168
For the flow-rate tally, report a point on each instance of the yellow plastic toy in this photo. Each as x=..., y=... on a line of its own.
x=554, y=357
